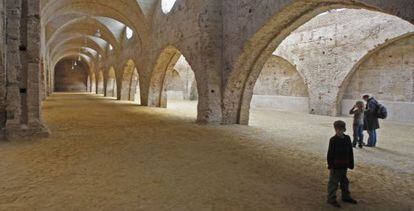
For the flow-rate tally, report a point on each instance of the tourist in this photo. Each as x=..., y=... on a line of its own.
x=371, y=123
x=340, y=159
x=358, y=126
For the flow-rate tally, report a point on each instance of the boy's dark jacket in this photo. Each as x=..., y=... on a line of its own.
x=340, y=153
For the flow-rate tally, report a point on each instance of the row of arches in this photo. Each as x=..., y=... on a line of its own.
x=178, y=81
x=225, y=95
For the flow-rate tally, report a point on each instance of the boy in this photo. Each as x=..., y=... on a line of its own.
x=358, y=126
x=340, y=158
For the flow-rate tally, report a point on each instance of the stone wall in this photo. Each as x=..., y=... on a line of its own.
x=71, y=80
x=279, y=77
x=263, y=25
x=280, y=87
x=389, y=76
x=326, y=49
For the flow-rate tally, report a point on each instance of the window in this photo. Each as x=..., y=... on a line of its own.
x=167, y=5
x=129, y=33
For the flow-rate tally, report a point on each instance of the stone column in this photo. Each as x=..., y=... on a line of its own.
x=23, y=70
x=3, y=79
x=209, y=63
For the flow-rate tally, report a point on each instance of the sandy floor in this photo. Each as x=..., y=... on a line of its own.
x=108, y=155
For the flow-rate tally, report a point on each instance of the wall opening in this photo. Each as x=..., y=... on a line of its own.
x=280, y=87
x=100, y=83
x=130, y=83
x=167, y=5
x=70, y=77
x=135, y=91
x=173, y=82
x=92, y=83
x=111, y=85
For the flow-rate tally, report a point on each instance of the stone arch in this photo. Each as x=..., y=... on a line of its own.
x=157, y=96
x=135, y=89
x=399, y=107
x=257, y=50
x=92, y=82
x=280, y=86
x=129, y=83
x=180, y=83
x=111, y=83
x=100, y=83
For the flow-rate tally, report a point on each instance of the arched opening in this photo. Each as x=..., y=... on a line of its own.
x=111, y=85
x=129, y=33
x=181, y=87
x=100, y=83
x=323, y=46
x=173, y=80
x=135, y=90
x=388, y=75
x=130, y=83
x=71, y=76
x=92, y=83
x=280, y=87
x=167, y=5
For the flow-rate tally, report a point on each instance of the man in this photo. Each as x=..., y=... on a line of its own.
x=371, y=123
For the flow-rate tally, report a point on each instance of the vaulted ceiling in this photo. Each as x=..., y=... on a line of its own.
x=86, y=28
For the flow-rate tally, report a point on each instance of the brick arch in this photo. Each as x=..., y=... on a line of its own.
x=345, y=83
x=278, y=94
x=135, y=89
x=166, y=61
x=92, y=82
x=100, y=82
x=259, y=48
x=130, y=81
x=111, y=84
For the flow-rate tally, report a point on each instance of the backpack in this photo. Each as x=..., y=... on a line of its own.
x=382, y=112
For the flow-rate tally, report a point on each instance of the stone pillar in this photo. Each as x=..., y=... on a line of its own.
x=3, y=79
x=13, y=65
x=210, y=61
x=123, y=92
x=23, y=70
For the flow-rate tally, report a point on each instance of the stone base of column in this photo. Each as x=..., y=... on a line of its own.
x=13, y=132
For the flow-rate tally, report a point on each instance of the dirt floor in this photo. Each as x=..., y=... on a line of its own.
x=109, y=155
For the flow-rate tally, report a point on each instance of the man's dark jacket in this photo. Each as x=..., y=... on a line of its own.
x=370, y=117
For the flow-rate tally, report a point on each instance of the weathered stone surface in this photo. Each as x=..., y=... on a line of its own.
x=225, y=42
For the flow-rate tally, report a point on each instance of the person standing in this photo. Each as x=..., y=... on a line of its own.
x=340, y=158
x=371, y=123
x=358, y=125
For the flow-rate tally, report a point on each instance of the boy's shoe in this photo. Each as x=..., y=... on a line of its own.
x=350, y=200
x=360, y=146
x=334, y=203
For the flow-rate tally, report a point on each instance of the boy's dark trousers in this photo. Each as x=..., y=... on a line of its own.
x=358, y=134
x=336, y=177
